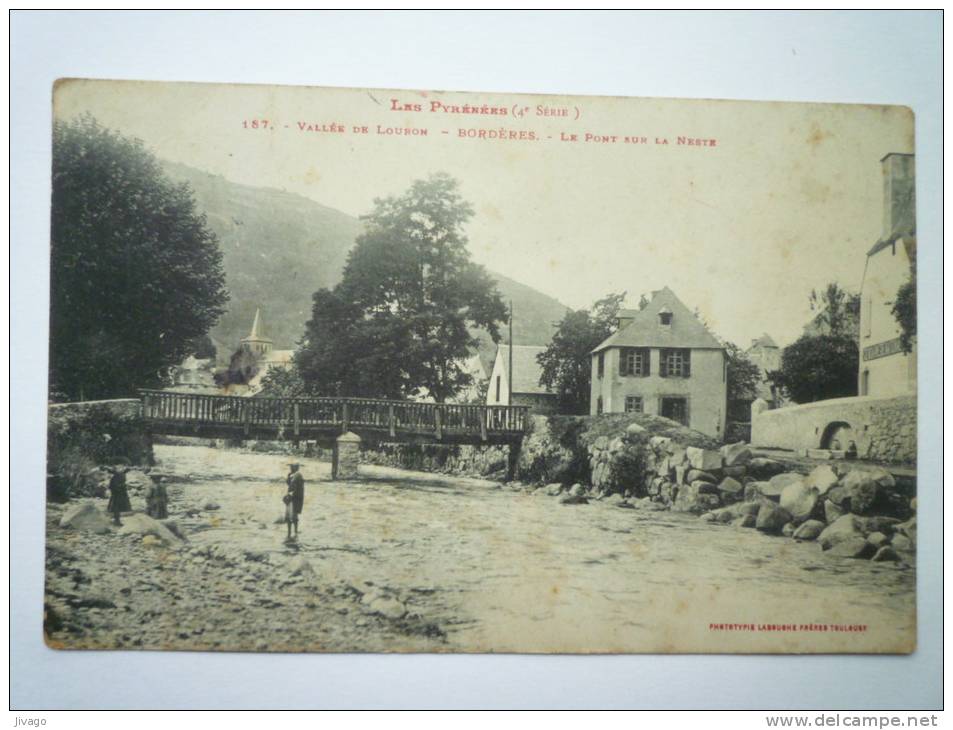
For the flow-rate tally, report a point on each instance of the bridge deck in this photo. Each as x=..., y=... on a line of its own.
x=293, y=419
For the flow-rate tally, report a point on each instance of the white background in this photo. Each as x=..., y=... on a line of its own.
x=883, y=58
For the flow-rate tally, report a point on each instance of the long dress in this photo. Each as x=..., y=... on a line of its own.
x=296, y=488
x=118, y=495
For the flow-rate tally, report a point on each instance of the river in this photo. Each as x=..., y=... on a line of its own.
x=477, y=566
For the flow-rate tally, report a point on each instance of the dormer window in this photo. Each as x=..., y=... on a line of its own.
x=665, y=317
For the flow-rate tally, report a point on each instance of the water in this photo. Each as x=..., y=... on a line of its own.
x=500, y=569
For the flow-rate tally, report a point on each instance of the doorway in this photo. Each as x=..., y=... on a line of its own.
x=675, y=408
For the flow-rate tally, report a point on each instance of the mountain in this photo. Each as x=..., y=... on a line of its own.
x=278, y=248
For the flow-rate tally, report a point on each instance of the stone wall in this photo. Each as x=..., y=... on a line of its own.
x=884, y=429
x=479, y=461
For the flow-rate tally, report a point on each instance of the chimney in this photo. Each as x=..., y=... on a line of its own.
x=899, y=195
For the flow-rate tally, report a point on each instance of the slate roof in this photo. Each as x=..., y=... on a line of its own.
x=644, y=330
x=525, y=367
x=764, y=341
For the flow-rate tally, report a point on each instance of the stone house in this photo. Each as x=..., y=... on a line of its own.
x=885, y=370
x=765, y=353
x=525, y=376
x=662, y=360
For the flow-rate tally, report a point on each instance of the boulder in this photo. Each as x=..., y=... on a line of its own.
x=877, y=539
x=736, y=472
x=777, y=483
x=852, y=547
x=822, y=479
x=680, y=471
x=736, y=454
x=142, y=524
x=85, y=517
x=705, y=487
x=809, y=530
x=731, y=489
x=553, y=489
x=212, y=506
x=384, y=605
x=843, y=528
x=799, y=500
x=885, y=554
x=904, y=543
x=877, y=523
x=771, y=517
x=913, y=504
x=676, y=455
x=832, y=512
x=703, y=459
x=788, y=529
x=753, y=491
x=745, y=521
x=570, y=499
x=747, y=508
x=660, y=443
x=576, y=490
x=708, y=517
x=839, y=496
x=763, y=468
x=696, y=475
x=866, y=488
x=690, y=499
x=908, y=529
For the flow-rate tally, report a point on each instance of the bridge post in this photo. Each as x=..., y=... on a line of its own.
x=438, y=423
x=390, y=421
x=346, y=456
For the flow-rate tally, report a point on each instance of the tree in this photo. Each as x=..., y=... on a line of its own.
x=904, y=309
x=838, y=311
x=743, y=376
x=567, y=361
x=202, y=348
x=135, y=274
x=818, y=367
x=397, y=324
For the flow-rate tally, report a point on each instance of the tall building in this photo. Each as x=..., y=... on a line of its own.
x=884, y=368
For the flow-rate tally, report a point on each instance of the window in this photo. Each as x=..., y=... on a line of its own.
x=633, y=404
x=665, y=319
x=675, y=363
x=497, y=388
x=599, y=405
x=601, y=364
x=634, y=361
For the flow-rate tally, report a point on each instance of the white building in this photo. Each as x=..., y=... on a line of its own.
x=525, y=376
x=885, y=369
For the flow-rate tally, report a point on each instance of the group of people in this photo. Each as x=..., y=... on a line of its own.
x=157, y=499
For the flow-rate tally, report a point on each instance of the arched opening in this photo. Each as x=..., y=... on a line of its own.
x=837, y=436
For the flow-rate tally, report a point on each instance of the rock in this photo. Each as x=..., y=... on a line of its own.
x=832, y=512
x=175, y=529
x=736, y=454
x=745, y=521
x=753, y=491
x=703, y=459
x=731, y=488
x=708, y=517
x=799, y=500
x=576, y=490
x=142, y=524
x=851, y=547
x=383, y=604
x=660, y=443
x=886, y=554
x=908, y=529
x=877, y=539
x=212, y=506
x=866, y=487
x=809, y=530
x=839, y=496
x=614, y=498
x=820, y=454
x=676, y=456
x=625, y=505
x=763, y=468
x=788, y=529
x=736, y=472
x=822, y=478
x=680, y=471
x=844, y=528
x=704, y=487
x=877, y=523
x=747, y=508
x=569, y=499
x=777, y=484
x=85, y=517
x=690, y=499
x=771, y=517
x=151, y=541
x=904, y=543
x=553, y=490
x=634, y=429
x=913, y=504
x=300, y=566
x=696, y=475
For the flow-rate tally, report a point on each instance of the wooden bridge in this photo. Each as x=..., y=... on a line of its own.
x=324, y=419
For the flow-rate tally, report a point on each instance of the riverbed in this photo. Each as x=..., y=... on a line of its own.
x=408, y=561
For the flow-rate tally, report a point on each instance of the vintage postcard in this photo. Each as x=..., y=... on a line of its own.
x=369, y=370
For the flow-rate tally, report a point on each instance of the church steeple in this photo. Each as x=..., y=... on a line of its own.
x=257, y=343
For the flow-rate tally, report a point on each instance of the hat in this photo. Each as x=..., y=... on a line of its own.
x=293, y=463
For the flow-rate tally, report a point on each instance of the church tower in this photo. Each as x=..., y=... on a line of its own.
x=257, y=343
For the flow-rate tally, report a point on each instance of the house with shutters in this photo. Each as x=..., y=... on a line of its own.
x=662, y=360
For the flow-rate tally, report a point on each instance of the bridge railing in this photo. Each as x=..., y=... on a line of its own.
x=346, y=413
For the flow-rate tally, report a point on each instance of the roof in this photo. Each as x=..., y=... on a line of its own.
x=257, y=333
x=764, y=341
x=644, y=331
x=626, y=313
x=525, y=367
x=891, y=240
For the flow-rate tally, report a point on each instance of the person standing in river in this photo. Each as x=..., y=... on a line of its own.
x=294, y=499
x=118, y=494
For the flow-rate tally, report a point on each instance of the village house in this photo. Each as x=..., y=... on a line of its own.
x=884, y=368
x=765, y=353
x=525, y=377
x=662, y=360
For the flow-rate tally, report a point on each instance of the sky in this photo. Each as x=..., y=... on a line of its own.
x=782, y=199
